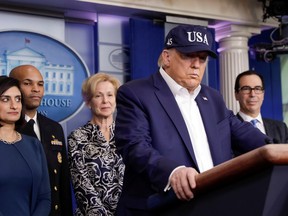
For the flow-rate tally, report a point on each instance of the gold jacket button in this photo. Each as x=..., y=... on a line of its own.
x=55, y=188
x=55, y=171
x=56, y=207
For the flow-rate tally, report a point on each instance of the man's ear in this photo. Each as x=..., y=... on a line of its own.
x=165, y=57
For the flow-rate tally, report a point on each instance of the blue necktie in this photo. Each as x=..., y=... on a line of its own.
x=254, y=122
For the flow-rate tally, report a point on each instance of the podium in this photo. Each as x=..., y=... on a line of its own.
x=253, y=184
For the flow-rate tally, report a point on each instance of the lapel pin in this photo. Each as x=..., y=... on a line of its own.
x=205, y=98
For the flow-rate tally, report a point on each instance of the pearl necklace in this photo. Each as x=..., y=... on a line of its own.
x=18, y=138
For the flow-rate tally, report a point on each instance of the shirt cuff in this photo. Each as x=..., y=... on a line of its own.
x=168, y=186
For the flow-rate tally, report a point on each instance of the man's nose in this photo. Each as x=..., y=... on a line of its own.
x=195, y=62
x=35, y=88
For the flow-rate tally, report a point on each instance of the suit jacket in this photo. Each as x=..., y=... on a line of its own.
x=32, y=152
x=153, y=139
x=53, y=141
x=275, y=129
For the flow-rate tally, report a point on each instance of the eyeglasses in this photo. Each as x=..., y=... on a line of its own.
x=248, y=89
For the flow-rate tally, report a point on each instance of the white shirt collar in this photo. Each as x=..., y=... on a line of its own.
x=174, y=86
x=27, y=118
x=248, y=118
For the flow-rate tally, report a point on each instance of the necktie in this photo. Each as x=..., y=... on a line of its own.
x=28, y=128
x=254, y=122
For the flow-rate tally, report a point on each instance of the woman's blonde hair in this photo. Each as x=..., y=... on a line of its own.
x=89, y=85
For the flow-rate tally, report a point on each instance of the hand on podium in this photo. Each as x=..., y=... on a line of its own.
x=183, y=182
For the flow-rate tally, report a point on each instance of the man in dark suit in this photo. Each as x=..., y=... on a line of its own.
x=249, y=92
x=170, y=127
x=51, y=135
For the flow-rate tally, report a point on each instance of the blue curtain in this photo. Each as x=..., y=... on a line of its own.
x=147, y=41
x=213, y=65
x=271, y=72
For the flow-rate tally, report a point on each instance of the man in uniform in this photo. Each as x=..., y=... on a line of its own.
x=51, y=135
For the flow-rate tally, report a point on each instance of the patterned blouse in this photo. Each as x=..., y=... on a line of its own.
x=97, y=170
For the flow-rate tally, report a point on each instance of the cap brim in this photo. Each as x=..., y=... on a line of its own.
x=192, y=49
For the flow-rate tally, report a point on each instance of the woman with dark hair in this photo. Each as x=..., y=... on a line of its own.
x=24, y=181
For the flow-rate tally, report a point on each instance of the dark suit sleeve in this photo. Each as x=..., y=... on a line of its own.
x=281, y=133
x=43, y=204
x=285, y=133
x=277, y=130
x=65, y=192
x=53, y=140
x=245, y=137
x=134, y=139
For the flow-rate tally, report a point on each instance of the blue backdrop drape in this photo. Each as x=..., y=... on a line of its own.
x=271, y=72
x=147, y=41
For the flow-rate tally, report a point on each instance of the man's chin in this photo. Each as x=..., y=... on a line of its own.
x=32, y=106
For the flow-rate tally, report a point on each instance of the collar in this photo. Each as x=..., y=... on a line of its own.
x=175, y=87
x=27, y=118
x=248, y=118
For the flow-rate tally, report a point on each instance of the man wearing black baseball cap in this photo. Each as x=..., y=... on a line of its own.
x=170, y=127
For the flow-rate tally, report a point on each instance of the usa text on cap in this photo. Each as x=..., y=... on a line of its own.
x=189, y=39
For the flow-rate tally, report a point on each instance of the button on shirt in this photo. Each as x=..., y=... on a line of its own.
x=193, y=120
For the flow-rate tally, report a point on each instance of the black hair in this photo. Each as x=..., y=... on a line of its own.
x=5, y=84
x=247, y=73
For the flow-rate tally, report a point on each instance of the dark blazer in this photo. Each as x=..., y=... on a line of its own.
x=153, y=139
x=53, y=140
x=275, y=129
x=32, y=152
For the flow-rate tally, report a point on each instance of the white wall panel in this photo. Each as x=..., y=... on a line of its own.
x=53, y=27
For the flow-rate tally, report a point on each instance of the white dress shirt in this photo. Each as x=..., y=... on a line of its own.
x=193, y=120
x=35, y=126
x=259, y=124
